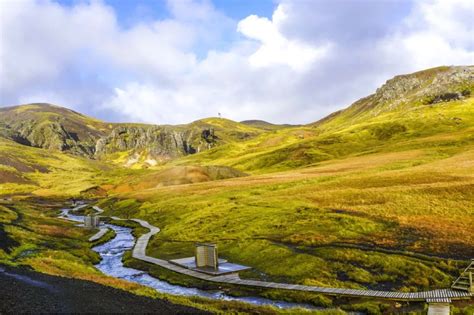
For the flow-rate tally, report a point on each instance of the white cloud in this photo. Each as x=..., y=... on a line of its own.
x=451, y=20
x=436, y=33
x=275, y=48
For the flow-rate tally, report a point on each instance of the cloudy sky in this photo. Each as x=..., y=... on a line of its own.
x=177, y=61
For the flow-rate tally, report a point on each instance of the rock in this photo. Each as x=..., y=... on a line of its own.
x=407, y=91
x=449, y=96
x=159, y=142
x=437, y=85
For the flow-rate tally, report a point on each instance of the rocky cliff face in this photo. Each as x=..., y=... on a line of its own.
x=54, y=136
x=159, y=142
x=444, y=83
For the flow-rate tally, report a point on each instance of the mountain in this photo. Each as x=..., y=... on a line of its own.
x=52, y=127
x=264, y=124
x=57, y=128
x=406, y=111
x=407, y=92
x=405, y=108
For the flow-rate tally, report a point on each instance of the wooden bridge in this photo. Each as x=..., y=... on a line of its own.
x=461, y=289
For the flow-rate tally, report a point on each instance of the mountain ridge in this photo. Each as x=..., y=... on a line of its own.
x=423, y=87
x=147, y=145
x=58, y=128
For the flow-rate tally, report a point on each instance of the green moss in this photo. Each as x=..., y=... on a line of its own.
x=104, y=239
x=371, y=308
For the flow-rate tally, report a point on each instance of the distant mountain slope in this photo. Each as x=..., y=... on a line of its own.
x=52, y=127
x=150, y=145
x=57, y=128
x=265, y=125
x=408, y=107
x=406, y=92
x=404, y=113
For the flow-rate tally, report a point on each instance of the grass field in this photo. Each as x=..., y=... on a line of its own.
x=397, y=220
x=31, y=236
x=384, y=203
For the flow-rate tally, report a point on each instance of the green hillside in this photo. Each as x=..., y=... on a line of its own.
x=402, y=114
x=381, y=201
x=379, y=195
x=129, y=145
x=51, y=127
x=26, y=170
x=265, y=125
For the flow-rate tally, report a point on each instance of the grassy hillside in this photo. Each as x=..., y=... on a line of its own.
x=227, y=130
x=27, y=170
x=307, y=146
x=265, y=125
x=388, y=220
x=178, y=175
x=130, y=145
x=401, y=115
x=404, y=93
x=382, y=199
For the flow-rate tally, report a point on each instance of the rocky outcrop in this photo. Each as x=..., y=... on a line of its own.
x=403, y=92
x=433, y=85
x=450, y=96
x=56, y=128
x=161, y=142
x=51, y=135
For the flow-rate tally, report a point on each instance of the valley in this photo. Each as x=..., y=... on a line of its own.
x=377, y=196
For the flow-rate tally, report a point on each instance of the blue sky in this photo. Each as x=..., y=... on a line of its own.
x=175, y=61
x=130, y=12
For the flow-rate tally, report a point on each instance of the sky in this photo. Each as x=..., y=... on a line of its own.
x=176, y=61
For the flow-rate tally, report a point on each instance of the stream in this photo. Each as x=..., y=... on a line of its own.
x=111, y=264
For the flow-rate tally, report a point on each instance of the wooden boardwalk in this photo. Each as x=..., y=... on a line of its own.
x=139, y=252
x=98, y=235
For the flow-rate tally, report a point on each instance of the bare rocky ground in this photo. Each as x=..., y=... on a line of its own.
x=24, y=291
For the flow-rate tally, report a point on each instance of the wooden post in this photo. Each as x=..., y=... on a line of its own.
x=438, y=308
x=471, y=287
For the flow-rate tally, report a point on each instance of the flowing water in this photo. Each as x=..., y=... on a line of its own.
x=111, y=264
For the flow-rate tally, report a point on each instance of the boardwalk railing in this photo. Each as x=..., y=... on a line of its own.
x=465, y=281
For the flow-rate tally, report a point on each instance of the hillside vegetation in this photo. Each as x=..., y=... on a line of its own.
x=379, y=195
x=26, y=170
x=384, y=201
x=411, y=107
x=125, y=144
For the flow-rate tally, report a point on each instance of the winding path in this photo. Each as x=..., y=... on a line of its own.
x=139, y=252
x=98, y=235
